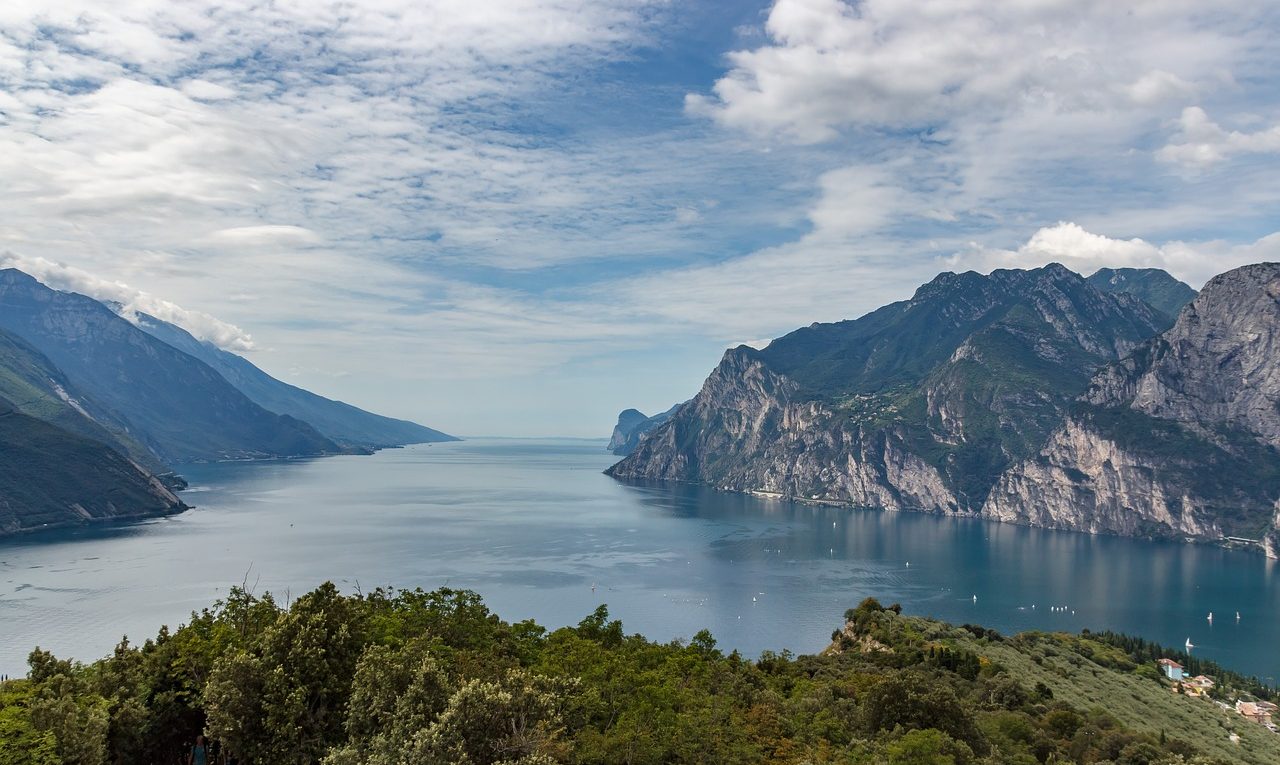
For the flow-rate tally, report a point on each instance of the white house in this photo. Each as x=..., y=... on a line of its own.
x=1171, y=669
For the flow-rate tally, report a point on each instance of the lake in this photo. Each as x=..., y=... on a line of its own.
x=536, y=528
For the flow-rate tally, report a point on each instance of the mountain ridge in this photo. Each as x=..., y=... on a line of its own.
x=345, y=424
x=176, y=405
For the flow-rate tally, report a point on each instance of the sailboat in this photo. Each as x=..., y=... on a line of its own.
x=1190, y=645
x=1237, y=616
x=1211, y=617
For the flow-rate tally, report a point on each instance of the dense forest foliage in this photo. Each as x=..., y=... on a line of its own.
x=434, y=677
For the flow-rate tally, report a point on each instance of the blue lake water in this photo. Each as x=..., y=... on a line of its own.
x=533, y=526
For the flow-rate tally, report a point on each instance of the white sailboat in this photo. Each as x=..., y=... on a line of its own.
x=1190, y=645
x=1211, y=617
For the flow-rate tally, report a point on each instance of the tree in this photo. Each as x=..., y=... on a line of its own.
x=77, y=719
x=284, y=699
x=520, y=720
x=914, y=700
x=928, y=747
x=21, y=742
x=396, y=695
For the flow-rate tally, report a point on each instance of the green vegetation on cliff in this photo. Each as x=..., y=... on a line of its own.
x=434, y=677
x=50, y=477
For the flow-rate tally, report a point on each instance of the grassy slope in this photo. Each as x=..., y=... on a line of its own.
x=1070, y=666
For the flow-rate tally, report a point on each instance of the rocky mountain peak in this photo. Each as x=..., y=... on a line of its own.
x=1219, y=363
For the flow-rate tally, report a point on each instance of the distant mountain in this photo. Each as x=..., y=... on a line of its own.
x=632, y=426
x=921, y=404
x=50, y=478
x=1158, y=288
x=343, y=423
x=175, y=405
x=1181, y=438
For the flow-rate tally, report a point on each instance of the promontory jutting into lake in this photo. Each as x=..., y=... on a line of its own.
x=940, y=343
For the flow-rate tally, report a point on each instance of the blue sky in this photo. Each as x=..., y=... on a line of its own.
x=520, y=216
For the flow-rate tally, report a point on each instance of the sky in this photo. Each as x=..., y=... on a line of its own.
x=518, y=217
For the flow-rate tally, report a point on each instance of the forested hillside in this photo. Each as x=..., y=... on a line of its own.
x=434, y=677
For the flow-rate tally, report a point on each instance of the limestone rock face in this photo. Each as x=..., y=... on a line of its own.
x=1179, y=439
x=1219, y=364
x=917, y=406
x=743, y=432
x=1028, y=397
x=1085, y=482
x=633, y=425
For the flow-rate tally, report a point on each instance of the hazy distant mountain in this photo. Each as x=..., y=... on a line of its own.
x=1158, y=288
x=344, y=423
x=172, y=403
x=632, y=426
x=50, y=477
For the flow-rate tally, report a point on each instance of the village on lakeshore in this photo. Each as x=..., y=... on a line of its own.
x=1202, y=687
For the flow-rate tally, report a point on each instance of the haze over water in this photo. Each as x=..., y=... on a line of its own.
x=533, y=525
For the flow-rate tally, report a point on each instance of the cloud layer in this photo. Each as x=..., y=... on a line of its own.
x=519, y=216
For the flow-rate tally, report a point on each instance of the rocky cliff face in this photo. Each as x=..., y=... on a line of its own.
x=1084, y=481
x=745, y=432
x=1027, y=396
x=1179, y=439
x=920, y=405
x=1219, y=364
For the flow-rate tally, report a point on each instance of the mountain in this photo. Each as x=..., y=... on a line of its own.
x=178, y=407
x=634, y=425
x=35, y=387
x=921, y=405
x=1180, y=439
x=1024, y=396
x=50, y=477
x=343, y=423
x=1158, y=288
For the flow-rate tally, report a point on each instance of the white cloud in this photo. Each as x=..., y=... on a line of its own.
x=829, y=65
x=267, y=234
x=204, y=90
x=1158, y=86
x=131, y=301
x=1085, y=252
x=1201, y=142
x=455, y=210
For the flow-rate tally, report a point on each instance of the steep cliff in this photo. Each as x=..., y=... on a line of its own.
x=1178, y=439
x=634, y=425
x=919, y=405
